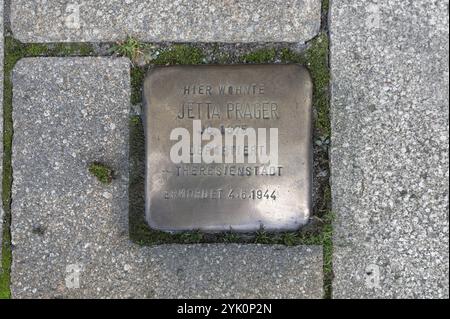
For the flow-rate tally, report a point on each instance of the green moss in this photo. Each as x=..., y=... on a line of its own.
x=325, y=6
x=289, y=56
x=35, y=50
x=179, y=54
x=137, y=80
x=102, y=172
x=260, y=56
x=194, y=237
x=135, y=120
x=71, y=49
x=21, y=50
x=12, y=54
x=5, y=279
x=317, y=62
x=327, y=242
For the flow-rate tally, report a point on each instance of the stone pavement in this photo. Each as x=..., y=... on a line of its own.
x=158, y=20
x=69, y=112
x=390, y=167
x=389, y=156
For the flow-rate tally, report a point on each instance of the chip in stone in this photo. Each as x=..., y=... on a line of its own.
x=190, y=185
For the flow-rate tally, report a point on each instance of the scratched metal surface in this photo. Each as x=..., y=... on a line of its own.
x=222, y=196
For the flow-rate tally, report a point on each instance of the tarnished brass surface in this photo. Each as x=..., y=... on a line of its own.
x=223, y=196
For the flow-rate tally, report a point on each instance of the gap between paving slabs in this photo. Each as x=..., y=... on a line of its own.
x=315, y=57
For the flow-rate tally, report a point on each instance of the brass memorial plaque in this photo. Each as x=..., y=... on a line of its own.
x=228, y=147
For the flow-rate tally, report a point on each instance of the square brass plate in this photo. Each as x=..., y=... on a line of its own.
x=187, y=192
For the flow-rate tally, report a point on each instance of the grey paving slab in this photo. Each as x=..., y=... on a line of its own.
x=161, y=20
x=389, y=160
x=70, y=233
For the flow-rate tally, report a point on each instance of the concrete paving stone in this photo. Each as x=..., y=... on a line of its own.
x=70, y=232
x=389, y=158
x=162, y=20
